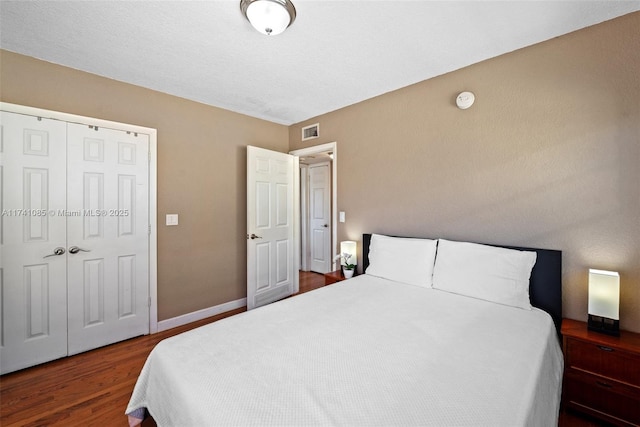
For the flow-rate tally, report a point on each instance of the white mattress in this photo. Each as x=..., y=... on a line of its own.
x=365, y=351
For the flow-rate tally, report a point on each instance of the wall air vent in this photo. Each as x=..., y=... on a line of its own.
x=310, y=132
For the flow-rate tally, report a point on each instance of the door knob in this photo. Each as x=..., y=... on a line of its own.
x=75, y=250
x=326, y=225
x=57, y=251
x=253, y=236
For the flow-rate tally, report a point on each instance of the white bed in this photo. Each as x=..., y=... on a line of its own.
x=363, y=352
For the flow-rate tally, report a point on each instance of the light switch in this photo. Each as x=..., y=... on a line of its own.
x=172, y=219
x=342, y=216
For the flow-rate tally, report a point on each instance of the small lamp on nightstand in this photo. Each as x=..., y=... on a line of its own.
x=348, y=247
x=604, y=302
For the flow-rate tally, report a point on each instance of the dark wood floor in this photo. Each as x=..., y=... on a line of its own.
x=93, y=388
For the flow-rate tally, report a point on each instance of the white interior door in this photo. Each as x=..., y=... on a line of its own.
x=108, y=243
x=304, y=223
x=271, y=260
x=33, y=296
x=320, y=217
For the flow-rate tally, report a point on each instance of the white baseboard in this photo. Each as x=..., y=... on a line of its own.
x=185, y=319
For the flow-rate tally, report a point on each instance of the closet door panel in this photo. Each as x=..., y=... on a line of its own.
x=33, y=280
x=108, y=182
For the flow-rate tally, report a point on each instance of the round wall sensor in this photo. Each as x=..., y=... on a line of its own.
x=465, y=100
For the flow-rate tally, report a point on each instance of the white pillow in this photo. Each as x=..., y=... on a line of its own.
x=403, y=260
x=494, y=274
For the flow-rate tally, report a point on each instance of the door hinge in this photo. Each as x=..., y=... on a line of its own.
x=149, y=302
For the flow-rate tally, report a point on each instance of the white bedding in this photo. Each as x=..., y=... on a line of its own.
x=365, y=351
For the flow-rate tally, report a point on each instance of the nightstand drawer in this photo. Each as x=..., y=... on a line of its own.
x=616, y=402
x=604, y=361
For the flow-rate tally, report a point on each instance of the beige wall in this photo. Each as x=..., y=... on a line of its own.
x=549, y=156
x=201, y=172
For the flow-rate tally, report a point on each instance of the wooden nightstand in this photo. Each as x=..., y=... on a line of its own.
x=333, y=277
x=601, y=373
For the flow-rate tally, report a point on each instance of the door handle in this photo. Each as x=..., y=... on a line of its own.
x=253, y=236
x=326, y=225
x=75, y=250
x=56, y=252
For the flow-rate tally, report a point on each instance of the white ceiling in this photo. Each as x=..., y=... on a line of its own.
x=335, y=54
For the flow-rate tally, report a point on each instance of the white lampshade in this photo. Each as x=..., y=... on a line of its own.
x=349, y=247
x=270, y=17
x=604, y=294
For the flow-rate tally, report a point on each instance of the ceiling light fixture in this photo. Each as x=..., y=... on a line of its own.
x=270, y=17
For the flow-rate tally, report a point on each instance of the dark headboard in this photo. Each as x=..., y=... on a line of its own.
x=545, y=285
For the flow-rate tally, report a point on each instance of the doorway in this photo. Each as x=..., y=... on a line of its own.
x=276, y=277
x=317, y=241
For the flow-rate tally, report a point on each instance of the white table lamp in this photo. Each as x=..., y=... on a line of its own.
x=604, y=301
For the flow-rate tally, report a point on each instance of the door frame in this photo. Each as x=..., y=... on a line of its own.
x=333, y=147
x=153, y=185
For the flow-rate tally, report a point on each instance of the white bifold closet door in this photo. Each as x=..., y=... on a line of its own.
x=34, y=284
x=108, y=284
x=74, y=265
